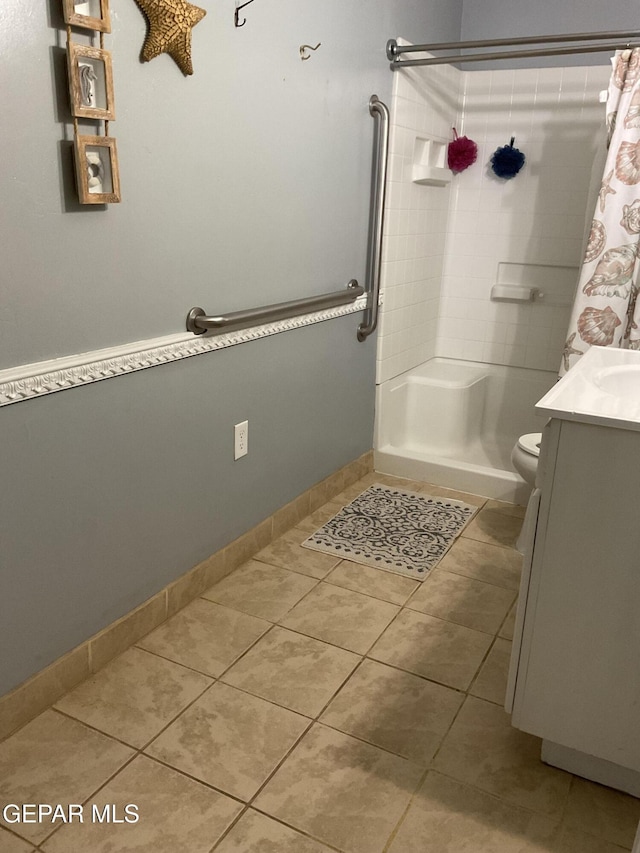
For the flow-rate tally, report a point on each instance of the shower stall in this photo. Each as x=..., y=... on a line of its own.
x=478, y=272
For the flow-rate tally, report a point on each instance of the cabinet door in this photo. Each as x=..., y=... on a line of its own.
x=579, y=673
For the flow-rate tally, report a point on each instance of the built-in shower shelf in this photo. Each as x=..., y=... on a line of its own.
x=429, y=162
x=431, y=175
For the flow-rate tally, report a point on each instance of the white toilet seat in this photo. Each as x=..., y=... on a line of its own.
x=524, y=458
x=530, y=443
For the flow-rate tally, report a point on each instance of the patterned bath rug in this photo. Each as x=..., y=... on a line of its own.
x=391, y=529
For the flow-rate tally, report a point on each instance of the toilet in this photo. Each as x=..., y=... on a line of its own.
x=524, y=458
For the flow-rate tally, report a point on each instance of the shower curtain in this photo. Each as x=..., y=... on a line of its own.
x=605, y=312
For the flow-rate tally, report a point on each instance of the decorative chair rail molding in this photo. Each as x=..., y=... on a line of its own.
x=29, y=381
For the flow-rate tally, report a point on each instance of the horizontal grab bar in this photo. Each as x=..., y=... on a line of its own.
x=198, y=322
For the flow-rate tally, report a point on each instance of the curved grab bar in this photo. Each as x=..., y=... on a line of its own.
x=198, y=323
x=380, y=113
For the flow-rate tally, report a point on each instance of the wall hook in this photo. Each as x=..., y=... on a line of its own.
x=235, y=17
x=303, y=50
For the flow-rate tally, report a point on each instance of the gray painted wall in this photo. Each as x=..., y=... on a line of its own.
x=245, y=184
x=494, y=19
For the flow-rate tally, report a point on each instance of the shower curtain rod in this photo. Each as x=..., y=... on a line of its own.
x=394, y=50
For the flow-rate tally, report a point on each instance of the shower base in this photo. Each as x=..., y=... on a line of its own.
x=453, y=423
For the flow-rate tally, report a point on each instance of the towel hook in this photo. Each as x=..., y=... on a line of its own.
x=235, y=17
x=304, y=48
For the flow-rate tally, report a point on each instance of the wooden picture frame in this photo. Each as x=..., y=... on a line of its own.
x=88, y=14
x=97, y=170
x=90, y=82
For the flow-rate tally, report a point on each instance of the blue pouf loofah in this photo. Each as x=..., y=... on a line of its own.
x=507, y=161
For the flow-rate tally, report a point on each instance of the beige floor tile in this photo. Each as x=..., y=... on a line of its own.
x=351, y=493
x=433, y=648
x=375, y=582
x=257, y=833
x=495, y=526
x=341, y=617
x=452, y=494
x=293, y=670
x=12, y=844
x=320, y=517
x=491, y=681
x=571, y=840
x=261, y=590
x=483, y=562
x=175, y=813
x=341, y=791
x=484, y=750
x=448, y=817
x=205, y=636
x=55, y=760
x=288, y=553
x=516, y=510
x=386, y=480
x=395, y=710
x=230, y=740
x=134, y=697
x=507, y=629
x=464, y=601
x=603, y=812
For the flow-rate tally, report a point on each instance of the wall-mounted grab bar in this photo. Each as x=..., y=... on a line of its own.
x=198, y=322
x=380, y=114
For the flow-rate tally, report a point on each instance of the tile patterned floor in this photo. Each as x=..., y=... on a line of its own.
x=305, y=705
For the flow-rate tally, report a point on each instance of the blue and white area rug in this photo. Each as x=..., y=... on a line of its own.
x=391, y=529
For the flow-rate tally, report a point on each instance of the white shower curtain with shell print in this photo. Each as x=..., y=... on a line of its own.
x=604, y=312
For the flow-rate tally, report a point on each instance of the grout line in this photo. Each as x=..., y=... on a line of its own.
x=404, y=814
x=193, y=778
x=233, y=823
x=284, y=615
x=416, y=675
x=378, y=746
x=477, y=675
x=327, y=579
x=277, y=767
x=93, y=728
x=302, y=832
x=335, y=694
x=227, y=668
x=103, y=784
x=176, y=663
x=268, y=701
x=293, y=570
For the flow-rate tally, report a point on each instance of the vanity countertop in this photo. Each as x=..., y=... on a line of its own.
x=602, y=388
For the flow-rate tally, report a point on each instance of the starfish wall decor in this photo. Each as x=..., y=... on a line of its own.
x=170, y=25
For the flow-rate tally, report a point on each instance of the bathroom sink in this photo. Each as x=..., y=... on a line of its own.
x=602, y=388
x=623, y=380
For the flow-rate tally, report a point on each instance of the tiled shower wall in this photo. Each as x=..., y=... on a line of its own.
x=414, y=244
x=481, y=230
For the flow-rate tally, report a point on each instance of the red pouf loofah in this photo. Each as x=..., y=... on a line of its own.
x=461, y=153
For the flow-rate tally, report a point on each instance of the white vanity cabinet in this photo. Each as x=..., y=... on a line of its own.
x=575, y=668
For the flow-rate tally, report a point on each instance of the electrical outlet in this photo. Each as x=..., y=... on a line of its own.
x=241, y=442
